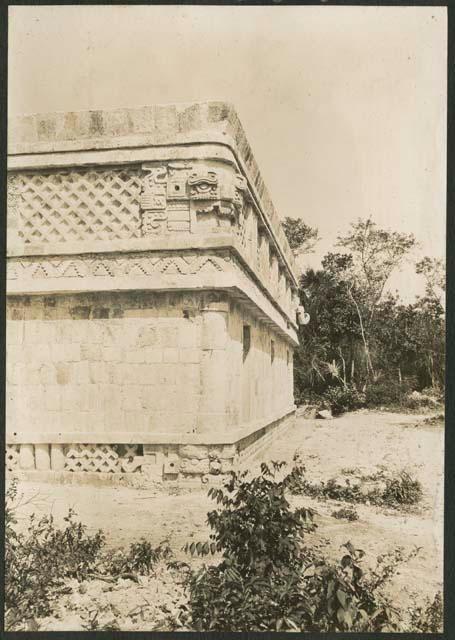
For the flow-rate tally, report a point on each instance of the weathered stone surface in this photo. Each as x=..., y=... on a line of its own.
x=127, y=323
x=194, y=452
x=324, y=414
x=194, y=466
x=57, y=457
x=42, y=457
x=27, y=456
x=225, y=452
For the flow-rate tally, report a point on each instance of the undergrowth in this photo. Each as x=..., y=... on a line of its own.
x=397, y=492
x=346, y=513
x=269, y=580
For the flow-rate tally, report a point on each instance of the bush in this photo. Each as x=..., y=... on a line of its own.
x=392, y=492
x=346, y=513
x=385, y=393
x=429, y=619
x=267, y=579
x=402, y=490
x=341, y=399
x=140, y=559
x=36, y=563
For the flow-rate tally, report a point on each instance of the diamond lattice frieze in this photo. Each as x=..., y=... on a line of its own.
x=95, y=204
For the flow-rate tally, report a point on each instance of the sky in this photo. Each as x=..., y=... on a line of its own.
x=344, y=107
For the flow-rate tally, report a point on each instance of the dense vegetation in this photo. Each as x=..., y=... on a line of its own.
x=266, y=575
x=363, y=345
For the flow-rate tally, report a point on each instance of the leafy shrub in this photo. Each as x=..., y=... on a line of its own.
x=140, y=559
x=386, y=393
x=417, y=400
x=37, y=562
x=267, y=579
x=392, y=492
x=402, y=490
x=346, y=513
x=341, y=399
x=429, y=619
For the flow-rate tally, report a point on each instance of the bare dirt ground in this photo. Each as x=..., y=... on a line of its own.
x=363, y=441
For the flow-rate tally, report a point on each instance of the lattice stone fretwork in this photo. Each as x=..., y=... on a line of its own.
x=79, y=205
x=102, y=458
x=12, y=457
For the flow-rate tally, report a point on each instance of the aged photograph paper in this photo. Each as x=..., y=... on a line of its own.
x=225, y=361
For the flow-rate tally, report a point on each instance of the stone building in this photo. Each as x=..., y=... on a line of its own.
x=151, y=294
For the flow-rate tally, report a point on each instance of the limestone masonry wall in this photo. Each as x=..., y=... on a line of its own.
x=151, y=295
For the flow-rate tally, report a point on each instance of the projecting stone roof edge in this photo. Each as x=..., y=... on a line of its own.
x=172, y=124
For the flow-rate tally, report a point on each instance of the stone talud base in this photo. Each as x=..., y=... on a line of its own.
x=147, y=462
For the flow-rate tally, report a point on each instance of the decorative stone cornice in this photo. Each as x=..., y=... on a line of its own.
x=211, y=123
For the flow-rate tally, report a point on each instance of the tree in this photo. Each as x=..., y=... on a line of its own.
x=374, y=254
x=301, y=237
x=433, y=271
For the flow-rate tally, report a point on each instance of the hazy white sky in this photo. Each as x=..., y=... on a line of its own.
x=344, y=107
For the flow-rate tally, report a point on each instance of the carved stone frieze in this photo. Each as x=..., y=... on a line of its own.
x=75, y=204
x=220, y=194
x=153, y=200
x=138, y=264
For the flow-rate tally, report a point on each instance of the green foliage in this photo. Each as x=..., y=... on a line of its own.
x=140, y=559
x=429, y=619
x=343, y=398
x=37, y=562
x=393, y=492
x=370, y=335
x=346, y=513
x=402, y=490
x=269, y=581
x=301, y=237
x=386, y=392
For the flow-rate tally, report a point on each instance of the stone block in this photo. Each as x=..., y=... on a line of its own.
x=148, y=375
x=146, y=336
x=73, y=399
x=81, y=372
x=39, y=353
x=167, y=374
x=57, y=457
x=170, y=355
x=132, y=399
x=42, y=457
x=26, y=456
x=112, y=354
x=47, y=374
x=223, y=452
x=95, y=398
x=63, y=373
x=16, y=353
x=90, y=352
x=135, y=421
x=32, y=375
x=190, y=356
x=189, y=335
x=171, y=464
x=114, y=373
x=53, y=399
x=112, y=396
x=14, y=332
x=114, y=420
x=198, y=452
x=152, y=355
x=195, y=466
x=98, y=372
x=135, y=355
